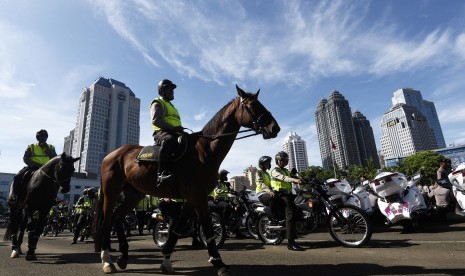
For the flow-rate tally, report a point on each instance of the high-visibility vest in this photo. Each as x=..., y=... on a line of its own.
x=39, y=155
x=266, y=179
x=280, y=185
x=146, y=203
x=170, y=114
x=221, y=192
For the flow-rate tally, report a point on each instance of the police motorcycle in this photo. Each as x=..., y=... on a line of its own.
x=192, y=228
x=342, y=193
x=399, y=200
x=243, y=213
x=457, y=178
x=348, y=225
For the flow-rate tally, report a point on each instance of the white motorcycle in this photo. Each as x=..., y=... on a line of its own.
x=457, y=178
x=341, y=192
x=399, y=200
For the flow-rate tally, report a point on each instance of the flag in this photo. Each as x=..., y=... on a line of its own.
x=333, y=146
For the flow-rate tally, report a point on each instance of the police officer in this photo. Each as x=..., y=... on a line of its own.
x=35, y=156
x=167, y=127
x=84, y=206
x=143, y=208
x=220, y=194
x=263, y=181
x=281, y=182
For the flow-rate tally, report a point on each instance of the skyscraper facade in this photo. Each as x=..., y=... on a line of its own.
x=336, y=134
x=365, y=139
x=414, y=98
x=108, y=117
x=405, y=131
x=295, y=147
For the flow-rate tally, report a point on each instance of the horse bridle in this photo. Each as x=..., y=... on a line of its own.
x=257, y=124
x=55, y=179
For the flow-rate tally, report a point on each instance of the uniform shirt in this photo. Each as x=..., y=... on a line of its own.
x=282, y=175
x=221, y=191
x=29, y=157
x=157, y=113
x=442, y=195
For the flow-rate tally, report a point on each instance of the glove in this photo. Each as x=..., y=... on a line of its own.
x=179, y=129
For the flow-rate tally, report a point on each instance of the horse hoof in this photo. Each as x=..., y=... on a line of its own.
x=166, y=269
x=31, y=257
x=14, y=254
x=224, y=271
x=109, y=268
x=122, y=263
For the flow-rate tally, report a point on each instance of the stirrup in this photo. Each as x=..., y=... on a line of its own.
x=164, y=178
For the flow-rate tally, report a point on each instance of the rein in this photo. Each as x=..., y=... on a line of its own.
x=255, y=123
x=56, y=181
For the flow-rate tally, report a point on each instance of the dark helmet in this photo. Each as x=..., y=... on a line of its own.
x=42, y=135
x=92, y=192
x=264, y=159
x=224, y=172
x=281, y=156
x=165, y=83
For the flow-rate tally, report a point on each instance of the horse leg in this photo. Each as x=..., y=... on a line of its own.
x=207, y=226
x=22, y=229
x=174, y=213
x=15, y=221
x=34, y=235
x=131, y=198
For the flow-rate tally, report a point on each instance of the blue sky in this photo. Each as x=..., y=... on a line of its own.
x=296, y=52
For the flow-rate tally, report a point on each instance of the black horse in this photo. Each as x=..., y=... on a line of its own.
x=35, y=200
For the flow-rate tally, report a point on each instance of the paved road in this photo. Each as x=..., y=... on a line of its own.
x=437, y=249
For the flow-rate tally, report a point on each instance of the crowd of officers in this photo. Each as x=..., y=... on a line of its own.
x=274, y=189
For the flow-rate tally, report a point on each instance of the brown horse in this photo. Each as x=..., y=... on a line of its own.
x=196, y=176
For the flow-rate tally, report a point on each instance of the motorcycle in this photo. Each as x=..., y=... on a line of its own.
x=348, y=225
x=243, y=213
x=399, y=200
x=342, y=193
x=160, y=231
x=457, y=178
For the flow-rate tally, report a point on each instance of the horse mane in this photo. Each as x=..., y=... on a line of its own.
x=211, y=127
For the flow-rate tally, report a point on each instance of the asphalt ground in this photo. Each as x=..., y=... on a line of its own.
x=436, y=248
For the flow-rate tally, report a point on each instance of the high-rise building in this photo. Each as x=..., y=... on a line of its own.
x=405, y=131
x=413, y=97
x=365, y=139
x=336, y=134
x=295, y=147
x=108, y=117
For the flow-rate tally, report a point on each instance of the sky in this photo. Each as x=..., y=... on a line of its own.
x=295, y=52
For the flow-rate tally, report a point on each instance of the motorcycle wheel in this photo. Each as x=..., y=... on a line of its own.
x=160, y=233
x=251, y=226
x=267, y=235
x=219, y=231
x=349, y=226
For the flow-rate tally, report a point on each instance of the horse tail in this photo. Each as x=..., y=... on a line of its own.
x=97, y=224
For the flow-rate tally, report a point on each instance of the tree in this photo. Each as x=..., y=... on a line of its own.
x=424, y=162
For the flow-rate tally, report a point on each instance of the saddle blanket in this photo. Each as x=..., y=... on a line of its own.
x=149, y=154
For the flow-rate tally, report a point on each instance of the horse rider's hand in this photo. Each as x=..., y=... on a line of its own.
x=179, y=129
x=271, y=193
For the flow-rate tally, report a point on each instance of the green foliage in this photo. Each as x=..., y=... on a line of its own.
x=424, y=162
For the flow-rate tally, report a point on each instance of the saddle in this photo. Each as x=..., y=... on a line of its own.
x=152, y=152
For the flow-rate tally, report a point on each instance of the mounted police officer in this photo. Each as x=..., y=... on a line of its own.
x=35, y=156
x=167, y=127
x=282, y=182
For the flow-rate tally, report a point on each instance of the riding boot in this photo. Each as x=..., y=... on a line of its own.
x=164, y=158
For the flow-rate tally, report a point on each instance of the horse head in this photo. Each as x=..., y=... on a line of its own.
x=64, y=169
x=252, y=114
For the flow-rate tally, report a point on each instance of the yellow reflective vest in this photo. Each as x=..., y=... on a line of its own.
x=170, y=114
x=39, y=154
x=280, y=185
x=265, y=177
